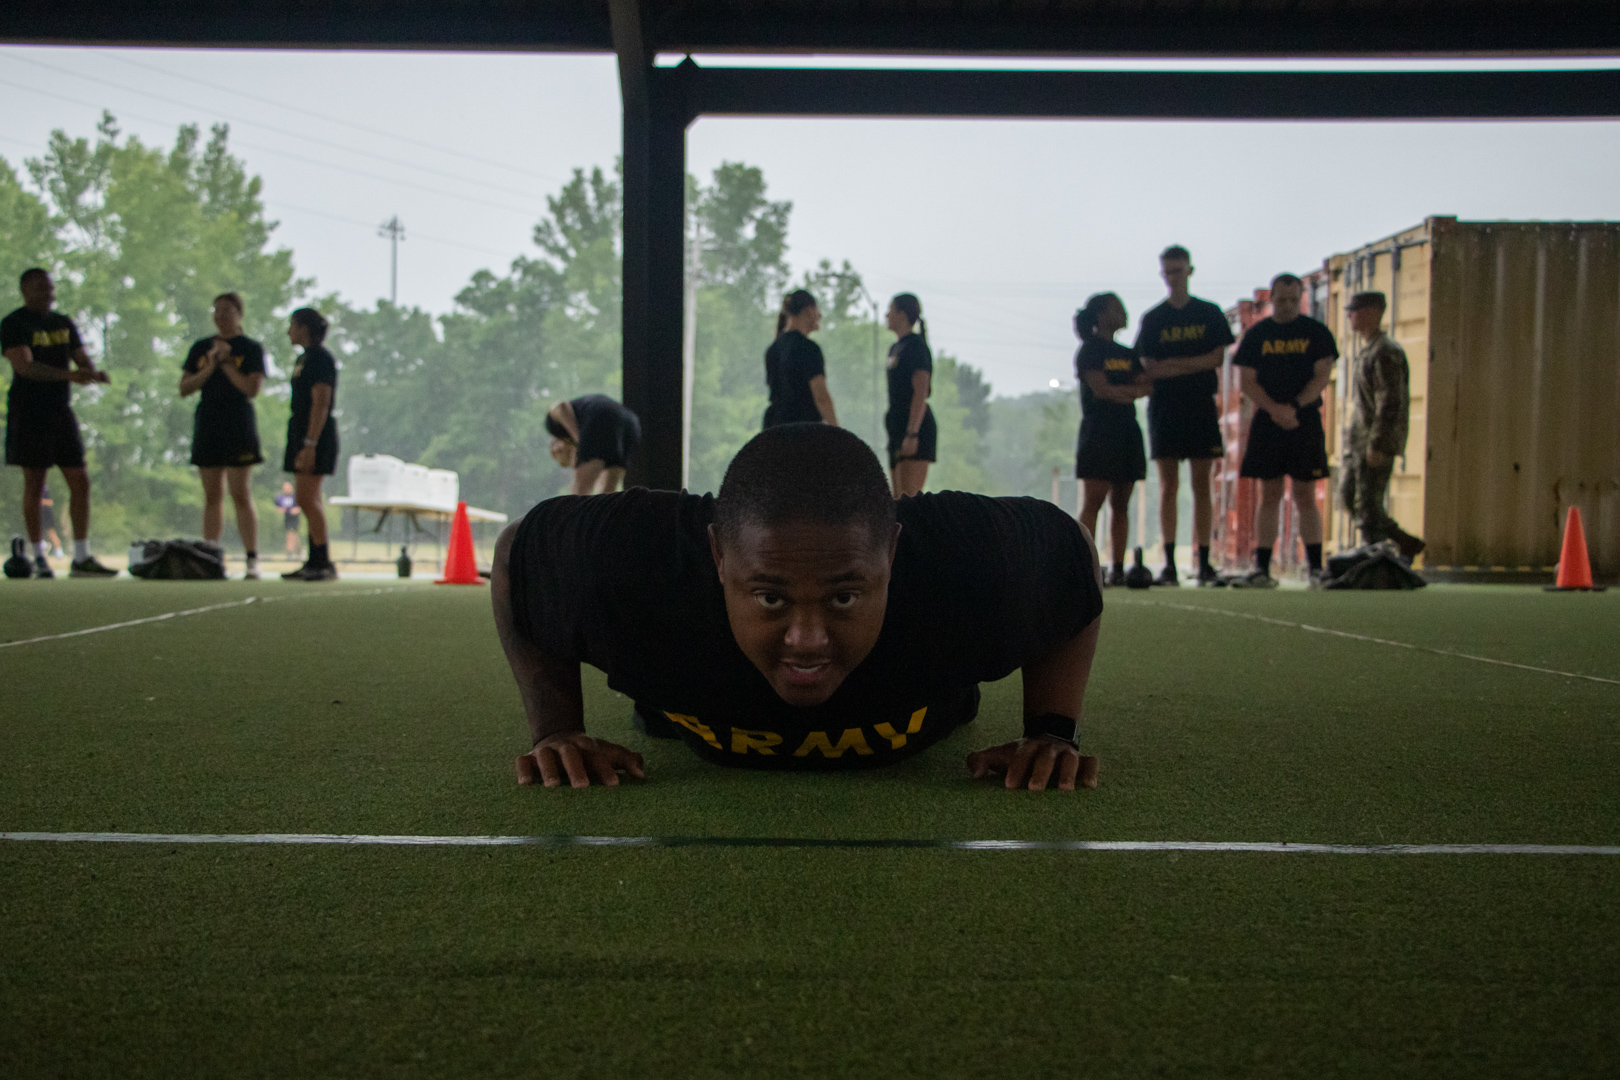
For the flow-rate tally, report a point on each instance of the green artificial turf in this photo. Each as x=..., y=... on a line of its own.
x=353, y=710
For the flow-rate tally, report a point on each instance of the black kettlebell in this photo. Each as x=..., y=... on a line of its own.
x=403, y=562
x=18, y=565
x=1139, y=576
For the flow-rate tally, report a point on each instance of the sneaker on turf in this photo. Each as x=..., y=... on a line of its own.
x=1167, y=576
x=1115, y=579
x=89, y=567
x=1316, y=579
x=313, y=572
x=1255, y=579
x=251, y=574
x=1210, y=578
x=42, y=569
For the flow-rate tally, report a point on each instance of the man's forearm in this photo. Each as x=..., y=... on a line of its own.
x=1056, y=683
x=37, y=372
x=553, y=701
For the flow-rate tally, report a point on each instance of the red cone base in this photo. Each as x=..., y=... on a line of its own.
x=1574, y=568
x=460, y=564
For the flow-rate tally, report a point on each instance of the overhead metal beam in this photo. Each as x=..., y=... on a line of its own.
x=1162, y=95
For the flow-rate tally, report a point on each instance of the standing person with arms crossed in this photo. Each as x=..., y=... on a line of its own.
x=312, y=440
x=1182, y=343
x=1380, y=410
x=1108, y=459
x=1286, y=361
x=913, y=434
x=594, y=436
x=228, y=369
x=46, y=358
x=795, y=370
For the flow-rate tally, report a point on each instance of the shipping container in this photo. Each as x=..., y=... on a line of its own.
x=1512, y=333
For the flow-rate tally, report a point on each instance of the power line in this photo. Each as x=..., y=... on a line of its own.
x=299, y=135
x=335, y=120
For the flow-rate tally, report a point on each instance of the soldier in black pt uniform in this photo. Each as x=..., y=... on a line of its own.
x=1108, y=459
x=228, y=370
x=1286, y=361
x=795, y=370
x=913, y=434
x=802, y=619
x=1182, y=343
x=312, y=439
x=594, y=436
x=47, y=358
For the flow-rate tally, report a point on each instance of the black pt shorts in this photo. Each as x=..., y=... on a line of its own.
x=44, y=440
x=1110, y=450
x=1184, y=427
x=225, y=439
x=1272, y=452
x=610, y=438
x=927, y=440
x=326, y=448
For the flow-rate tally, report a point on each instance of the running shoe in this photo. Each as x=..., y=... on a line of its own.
x=89, y=567
x=312, y=572
x=42, y=569
x=1317, y=578
x=1167, y=576
x=1255, y=579
x=1210, y=578
x=1115, y=578
x=251, y=574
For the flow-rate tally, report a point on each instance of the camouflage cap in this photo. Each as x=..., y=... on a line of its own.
x=1367, y=299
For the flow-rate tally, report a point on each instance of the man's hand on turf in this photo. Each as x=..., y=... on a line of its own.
x=577, y=757
x=1028, y=762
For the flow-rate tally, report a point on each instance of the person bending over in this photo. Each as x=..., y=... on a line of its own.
x=1182, y=342
x=802, y=619
x=594, y=436
x=228, y=369
x=47, y=358
x=1108, y=457
x=913, y=434
x=1285, y=361
x=795, y=370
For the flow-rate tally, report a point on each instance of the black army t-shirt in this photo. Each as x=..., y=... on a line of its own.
x=247, y=357
x=626, y=583
x=907, y=356
x=1120, y=367
x=790, y=363
x=608, y=432
x=53, y=338
x=314, y=366
x=1169, y=333
x=1284, y=355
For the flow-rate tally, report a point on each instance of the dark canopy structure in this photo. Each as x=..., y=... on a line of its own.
x=660, y=103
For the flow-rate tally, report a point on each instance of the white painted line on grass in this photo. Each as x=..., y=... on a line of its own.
x=1196, y=846
x=1375, y=640
x=198, y=611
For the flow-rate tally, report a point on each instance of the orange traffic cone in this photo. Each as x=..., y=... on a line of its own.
x=1574, y=568
x=460, y=565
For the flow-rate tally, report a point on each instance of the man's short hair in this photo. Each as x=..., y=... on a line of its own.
x=1286, y=279
x=804, y=472
x=1367, y=299
x=31, y=272
x=233, y=299
x=1175, y=253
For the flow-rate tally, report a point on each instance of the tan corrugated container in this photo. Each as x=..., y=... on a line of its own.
x=1512, y=330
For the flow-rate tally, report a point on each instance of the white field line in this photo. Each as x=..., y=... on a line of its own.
x=193, y=611
x=1374, y=640
x=1194, y=846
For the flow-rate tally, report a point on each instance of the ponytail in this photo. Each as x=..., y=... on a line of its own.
x=793, y=303
x=313, y=323
x=1085, y=319
x=911, y=308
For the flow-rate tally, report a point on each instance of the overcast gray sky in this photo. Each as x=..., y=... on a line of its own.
x=1002, y=227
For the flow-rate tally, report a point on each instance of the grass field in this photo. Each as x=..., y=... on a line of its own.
x=370, y=708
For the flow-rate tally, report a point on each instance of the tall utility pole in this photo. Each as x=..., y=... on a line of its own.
x=394, y=230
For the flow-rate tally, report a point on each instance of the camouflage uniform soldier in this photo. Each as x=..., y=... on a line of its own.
x=1380, y=408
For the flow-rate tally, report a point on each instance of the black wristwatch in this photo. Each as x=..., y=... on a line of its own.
x=1053, y=725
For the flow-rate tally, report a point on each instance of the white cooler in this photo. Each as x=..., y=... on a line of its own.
x=377, y=478
x=443, y=489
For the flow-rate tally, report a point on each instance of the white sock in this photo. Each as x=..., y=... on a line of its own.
x=42, y=548
x=81, y=550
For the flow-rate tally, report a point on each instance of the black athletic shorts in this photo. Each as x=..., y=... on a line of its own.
x=1183, y=428
x=1110, y=450
x=1273, y=452
x=225, y=439
x=326, y=447
x=44, y=440
x=927, y=439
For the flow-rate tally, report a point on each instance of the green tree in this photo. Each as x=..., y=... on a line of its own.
x=26, y=236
